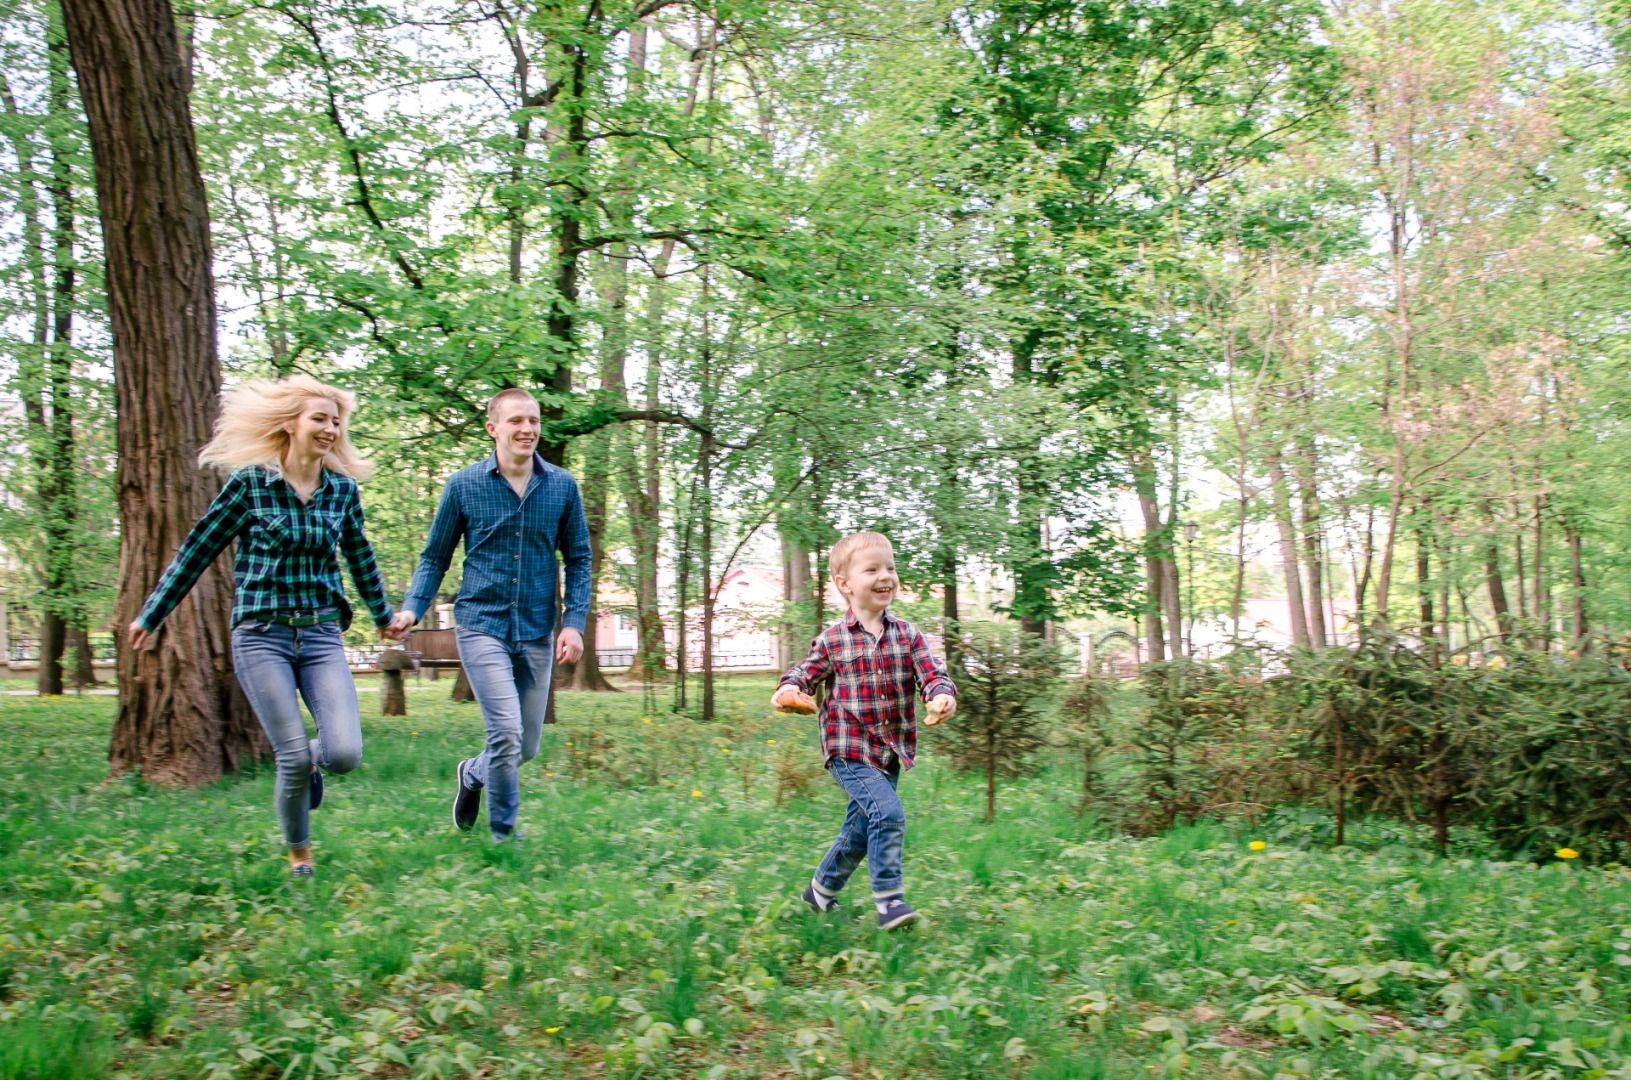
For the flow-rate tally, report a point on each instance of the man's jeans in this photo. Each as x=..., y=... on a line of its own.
x=874, y=829
x=511, y=682
x=277, y=666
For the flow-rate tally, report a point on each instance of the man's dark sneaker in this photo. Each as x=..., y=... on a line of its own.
x=316, y=787
x=466, y=801
x=896, y=915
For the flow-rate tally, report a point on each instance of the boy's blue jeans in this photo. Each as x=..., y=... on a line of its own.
x=511, y=682
x=874, y=828
x=278, y=665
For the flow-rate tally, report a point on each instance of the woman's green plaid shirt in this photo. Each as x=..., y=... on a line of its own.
x=286, y=550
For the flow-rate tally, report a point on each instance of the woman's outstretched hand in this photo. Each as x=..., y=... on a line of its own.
x=789, y=698
x=138, y=636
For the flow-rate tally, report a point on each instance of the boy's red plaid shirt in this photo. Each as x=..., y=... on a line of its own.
x=869, y=714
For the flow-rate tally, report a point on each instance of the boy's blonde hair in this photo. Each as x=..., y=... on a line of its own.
x=845, y=549
x=249, y=430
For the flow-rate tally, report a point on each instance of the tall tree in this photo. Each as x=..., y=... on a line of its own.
x=182, y=718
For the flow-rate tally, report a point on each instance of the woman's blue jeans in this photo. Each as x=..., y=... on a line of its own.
x=278, y=665
x=874, y=828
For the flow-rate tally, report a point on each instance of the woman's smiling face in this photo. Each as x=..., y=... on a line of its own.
x=315, y=431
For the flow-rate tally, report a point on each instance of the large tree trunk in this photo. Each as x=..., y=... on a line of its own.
x=182, y=718
x=1288, y=551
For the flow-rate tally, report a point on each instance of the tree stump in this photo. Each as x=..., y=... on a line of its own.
x=393, y=696
x=461, y=687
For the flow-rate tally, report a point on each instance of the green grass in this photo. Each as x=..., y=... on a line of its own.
x=646, y=931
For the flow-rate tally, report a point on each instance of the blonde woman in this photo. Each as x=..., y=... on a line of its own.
x=290, y=502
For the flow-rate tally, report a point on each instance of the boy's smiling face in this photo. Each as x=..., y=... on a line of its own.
x=869, y=582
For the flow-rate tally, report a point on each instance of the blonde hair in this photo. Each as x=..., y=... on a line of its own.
x=845, y=549
x=250, y=429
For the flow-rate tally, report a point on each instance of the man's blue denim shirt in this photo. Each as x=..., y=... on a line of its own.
x=510, y=542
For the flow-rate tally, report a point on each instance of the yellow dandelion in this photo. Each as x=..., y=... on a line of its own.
x=772, y=742
x=696, y=794
x=413, y=733
x=1258, y=845
x=724, y=750
x=551, y=1031
x=1567, y=853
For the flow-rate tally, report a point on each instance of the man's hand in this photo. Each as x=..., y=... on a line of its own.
x=138, y=636
x=569, y=647
x=789, y=698
x=940, y=707
x=400, y=624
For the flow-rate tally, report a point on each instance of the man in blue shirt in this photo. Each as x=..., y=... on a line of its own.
x=514, y=511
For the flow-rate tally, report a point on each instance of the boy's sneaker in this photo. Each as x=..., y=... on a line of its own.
x=316, y=787
x=896, y=915
x=301, y=871
x=809, y=897
x=466, y=801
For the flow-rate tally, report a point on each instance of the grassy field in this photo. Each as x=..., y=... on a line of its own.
x=649, y=926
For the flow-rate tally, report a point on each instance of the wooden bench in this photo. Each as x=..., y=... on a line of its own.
x=436, y=650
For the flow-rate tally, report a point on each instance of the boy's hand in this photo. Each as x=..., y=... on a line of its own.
x=940, y=707
x=789, y=698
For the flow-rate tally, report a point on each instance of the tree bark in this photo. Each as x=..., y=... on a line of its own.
x=1492, y=579
x=1313, y=541
x=64, y=617
x=951, y=622
x=1144, y=480
x=795, y=593
x=1288, y=551
x=1577, y=578
x=182, y=718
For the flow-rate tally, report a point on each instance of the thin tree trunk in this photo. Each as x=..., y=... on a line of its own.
x=1543, y=600
x=32, y=378
x=1493, y=581
x=64, y=609
x=1144, y=481
x=1424, y=592
x=1577, y=578
x=1384, y=576
x=1171, y=589
x=1288, y=551
x=951, y=623
x=181, y=717
x=707, y=569
x=1313, y=539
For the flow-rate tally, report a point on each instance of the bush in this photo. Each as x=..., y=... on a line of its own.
x=1532, y=747
x=1001, y=671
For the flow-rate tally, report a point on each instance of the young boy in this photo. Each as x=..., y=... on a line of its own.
x=875, y=661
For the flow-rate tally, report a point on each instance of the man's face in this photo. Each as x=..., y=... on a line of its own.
x=869, y=582
x=515, y=425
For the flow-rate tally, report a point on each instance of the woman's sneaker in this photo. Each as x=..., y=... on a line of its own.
x=316, y=787
x=466, y=801
x=896, y=915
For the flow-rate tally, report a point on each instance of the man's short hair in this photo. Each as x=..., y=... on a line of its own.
x=843, y=551
x=511, y=394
